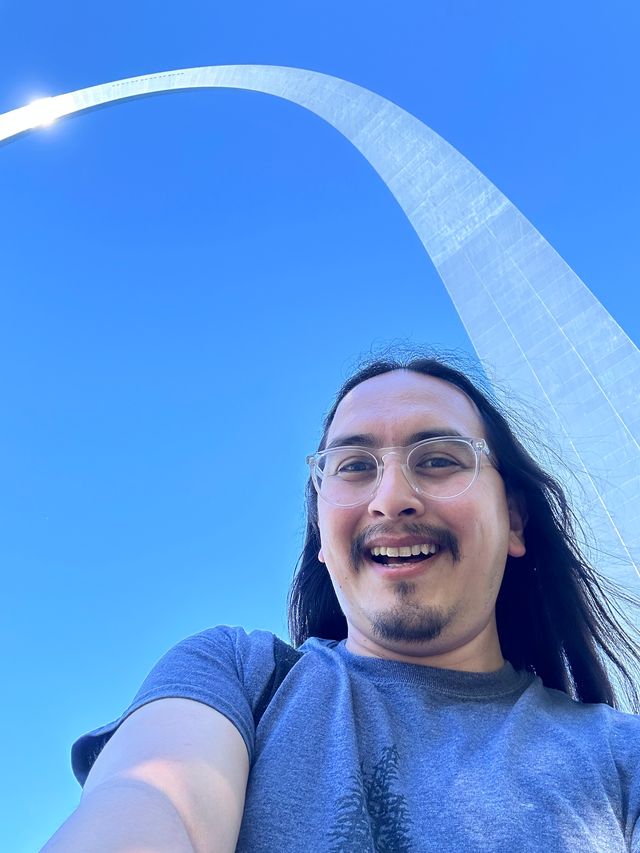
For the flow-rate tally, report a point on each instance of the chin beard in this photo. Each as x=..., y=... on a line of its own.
x=408, y=622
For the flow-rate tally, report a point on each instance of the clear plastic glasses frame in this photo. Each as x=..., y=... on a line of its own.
x=448, y=476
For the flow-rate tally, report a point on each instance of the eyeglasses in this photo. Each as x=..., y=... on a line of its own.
x=440, y=468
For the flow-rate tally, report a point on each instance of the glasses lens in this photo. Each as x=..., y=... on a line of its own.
x=444, y=468
x=346, y=476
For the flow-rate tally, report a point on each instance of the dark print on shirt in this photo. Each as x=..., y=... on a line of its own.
x=371, y=816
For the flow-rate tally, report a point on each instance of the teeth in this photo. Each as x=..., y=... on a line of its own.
x=404, y=550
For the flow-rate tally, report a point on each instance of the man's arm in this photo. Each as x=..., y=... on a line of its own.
x=172, y=778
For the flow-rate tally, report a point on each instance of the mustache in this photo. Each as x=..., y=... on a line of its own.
x=429, y=533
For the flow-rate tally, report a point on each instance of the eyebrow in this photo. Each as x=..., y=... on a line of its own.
x=368, y=440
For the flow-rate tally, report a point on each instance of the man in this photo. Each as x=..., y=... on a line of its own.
x=450, y=695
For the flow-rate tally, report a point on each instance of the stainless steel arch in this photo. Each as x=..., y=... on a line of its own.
x=533, y=323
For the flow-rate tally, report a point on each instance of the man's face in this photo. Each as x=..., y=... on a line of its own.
x=443, y=606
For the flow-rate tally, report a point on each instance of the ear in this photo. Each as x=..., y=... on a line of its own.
x=517, y=523
x=320, y=556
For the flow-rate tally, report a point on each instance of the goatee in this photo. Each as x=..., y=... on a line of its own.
x=409, y=622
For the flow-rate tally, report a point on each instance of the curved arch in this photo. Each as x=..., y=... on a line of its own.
x=530, y=318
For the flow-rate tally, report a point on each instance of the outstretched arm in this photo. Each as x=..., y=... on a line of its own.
x=172, y=779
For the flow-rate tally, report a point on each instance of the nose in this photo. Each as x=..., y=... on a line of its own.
x=395, y=496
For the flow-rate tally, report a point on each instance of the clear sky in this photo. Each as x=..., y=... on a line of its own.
x=186, y=280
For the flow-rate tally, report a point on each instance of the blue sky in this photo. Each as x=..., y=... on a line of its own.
x=186, y=280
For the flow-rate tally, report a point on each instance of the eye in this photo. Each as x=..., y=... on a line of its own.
x=350, y=464
x=434, y=462
x=356, y=465
x=441, y=458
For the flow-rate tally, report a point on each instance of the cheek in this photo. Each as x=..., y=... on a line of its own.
x=329, y=529
x=333, y=520
x=481, y=524
x=462, y=517
x=337, y=530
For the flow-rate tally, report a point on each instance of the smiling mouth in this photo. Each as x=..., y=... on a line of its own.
x=402, y=556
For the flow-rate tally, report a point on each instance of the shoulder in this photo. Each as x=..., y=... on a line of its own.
x=223, y=648
x=219, y=665
x=224, y=642
x=596, y=721
x=224, y=667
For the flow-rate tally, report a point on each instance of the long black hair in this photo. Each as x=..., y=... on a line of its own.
x=556, y=615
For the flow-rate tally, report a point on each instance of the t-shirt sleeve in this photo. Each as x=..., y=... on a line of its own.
x=224, y=668
x=625, y=748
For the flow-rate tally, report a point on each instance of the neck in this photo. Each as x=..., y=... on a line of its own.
x=481, y=653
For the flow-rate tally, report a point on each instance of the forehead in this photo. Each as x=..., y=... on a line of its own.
x=395, y=405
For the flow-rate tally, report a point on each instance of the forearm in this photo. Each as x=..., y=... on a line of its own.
x=123, y=816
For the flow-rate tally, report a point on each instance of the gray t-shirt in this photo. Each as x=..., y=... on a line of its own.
x=360, y=754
